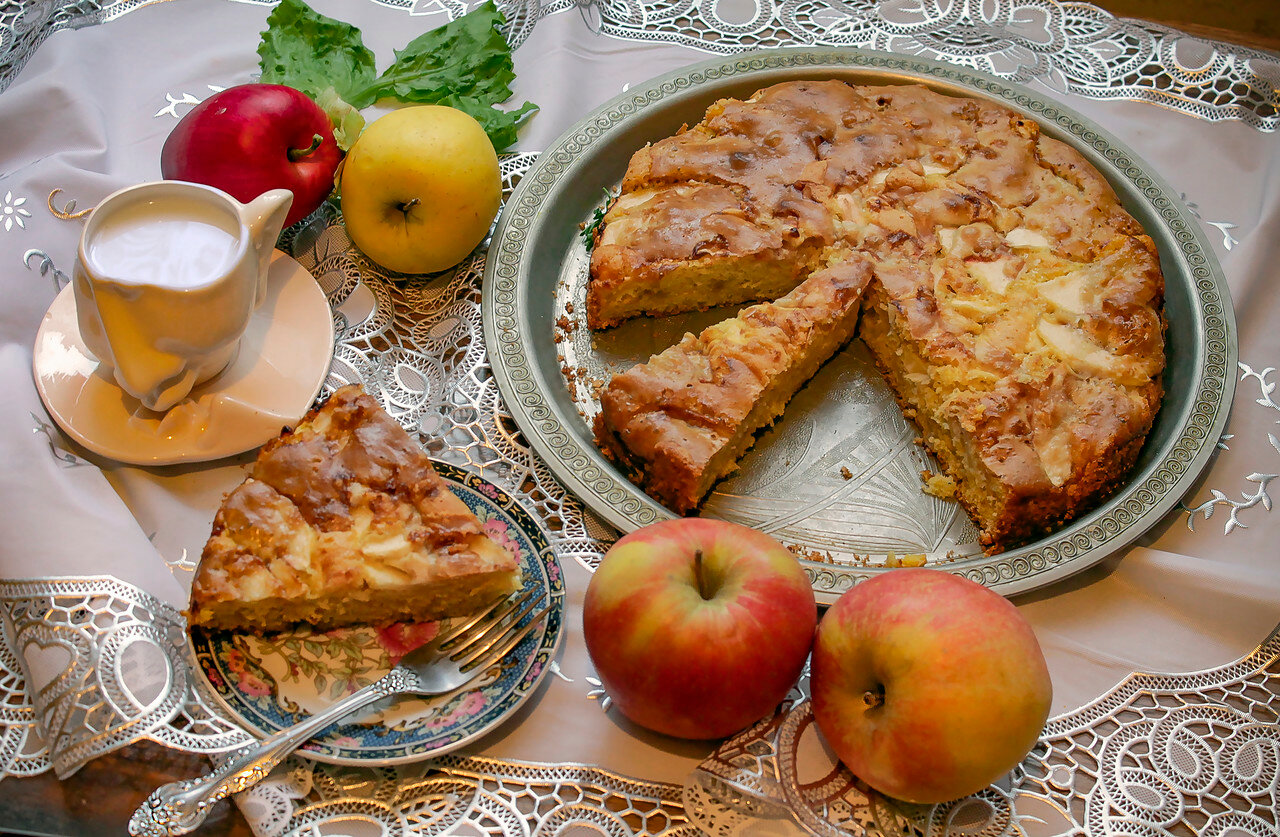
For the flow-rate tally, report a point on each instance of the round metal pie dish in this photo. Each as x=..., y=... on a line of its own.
x=545, y=360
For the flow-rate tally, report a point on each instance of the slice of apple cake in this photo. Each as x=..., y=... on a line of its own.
x=718, y=214
x=344, y=521
x=681, y=421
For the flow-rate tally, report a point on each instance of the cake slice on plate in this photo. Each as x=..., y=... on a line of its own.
x=681, y=420
x=344, y=521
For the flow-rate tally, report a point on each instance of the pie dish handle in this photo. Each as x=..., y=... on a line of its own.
x=180, y=807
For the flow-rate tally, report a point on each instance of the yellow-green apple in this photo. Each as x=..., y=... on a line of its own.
x=420, y=188
x=927, y=685
x=253, y=138
x=698, y=627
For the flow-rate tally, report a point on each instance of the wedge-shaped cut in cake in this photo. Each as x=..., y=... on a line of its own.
x=344, y=521
x=681, y=421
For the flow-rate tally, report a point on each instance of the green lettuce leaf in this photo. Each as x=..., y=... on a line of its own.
x=465, y=64
x=310, y=52
x=346, y=120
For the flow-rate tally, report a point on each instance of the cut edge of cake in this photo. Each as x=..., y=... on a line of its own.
x=1004, y=516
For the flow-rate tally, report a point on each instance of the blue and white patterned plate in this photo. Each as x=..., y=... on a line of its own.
x=272, y=682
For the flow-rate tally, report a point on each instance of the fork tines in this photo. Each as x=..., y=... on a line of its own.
x=484, y=639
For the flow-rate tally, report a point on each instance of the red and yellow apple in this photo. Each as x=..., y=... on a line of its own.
x=928, y=686
x=698, y=627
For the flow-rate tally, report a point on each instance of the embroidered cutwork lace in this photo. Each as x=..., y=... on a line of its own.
x=1076, y=48
x=1158, y=755
x=104, y=663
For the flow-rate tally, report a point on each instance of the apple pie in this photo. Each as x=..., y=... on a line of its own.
x=1016, y=309
x=344, y=521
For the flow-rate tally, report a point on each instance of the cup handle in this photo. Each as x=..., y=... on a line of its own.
x=264, y=216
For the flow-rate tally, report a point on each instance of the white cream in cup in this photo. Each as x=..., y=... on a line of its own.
x=167, y=277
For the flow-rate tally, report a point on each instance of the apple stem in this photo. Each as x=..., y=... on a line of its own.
x=874, y=697
x=409, y=204
x=698, y=576
x=296, y=154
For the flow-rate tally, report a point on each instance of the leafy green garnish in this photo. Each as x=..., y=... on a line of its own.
x=308, y=51
x=588, y=231
x=347, y=121
x=464, y=64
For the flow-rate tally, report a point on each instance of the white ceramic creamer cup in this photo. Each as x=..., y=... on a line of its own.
x=165, y=281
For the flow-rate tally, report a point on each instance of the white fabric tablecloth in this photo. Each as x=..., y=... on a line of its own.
x=89, y=110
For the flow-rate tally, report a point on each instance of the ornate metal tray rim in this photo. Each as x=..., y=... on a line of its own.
x=1163, y=475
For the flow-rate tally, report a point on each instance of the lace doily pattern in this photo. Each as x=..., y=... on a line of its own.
x=22, y=750
x=1195, y=753
x=103, y=664
x=458, y=795
x=1073, y=47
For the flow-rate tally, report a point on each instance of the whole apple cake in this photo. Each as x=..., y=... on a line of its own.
x=1015, y=308
x=344, y=521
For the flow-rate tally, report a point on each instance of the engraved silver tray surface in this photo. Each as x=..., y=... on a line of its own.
x=838, y=477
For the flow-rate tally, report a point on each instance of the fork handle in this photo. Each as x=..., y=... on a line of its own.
x=180, y=807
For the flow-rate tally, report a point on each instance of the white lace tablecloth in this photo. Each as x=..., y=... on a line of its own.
x=96, y=557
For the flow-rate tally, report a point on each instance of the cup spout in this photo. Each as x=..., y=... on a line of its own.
x=264, y=217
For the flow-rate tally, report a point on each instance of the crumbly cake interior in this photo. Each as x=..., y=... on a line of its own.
x=682, y=420
x=1016, y=308
x=344, y=521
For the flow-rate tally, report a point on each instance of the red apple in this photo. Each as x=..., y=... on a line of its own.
x=926, y=685
x=249, y=139
x=697, y=627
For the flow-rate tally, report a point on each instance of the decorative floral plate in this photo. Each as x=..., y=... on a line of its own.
x=276, y=681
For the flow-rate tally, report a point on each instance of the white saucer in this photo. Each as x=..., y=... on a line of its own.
x=283, y=361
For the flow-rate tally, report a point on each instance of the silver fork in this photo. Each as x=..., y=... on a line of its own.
x=445, y=664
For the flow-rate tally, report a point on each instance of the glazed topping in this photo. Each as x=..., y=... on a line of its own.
x=1004, y=255
x=329, y=466
x=685, y=222
x=346, y=501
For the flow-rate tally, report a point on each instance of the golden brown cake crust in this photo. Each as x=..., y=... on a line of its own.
x=1016, y=311
x=344, y=521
